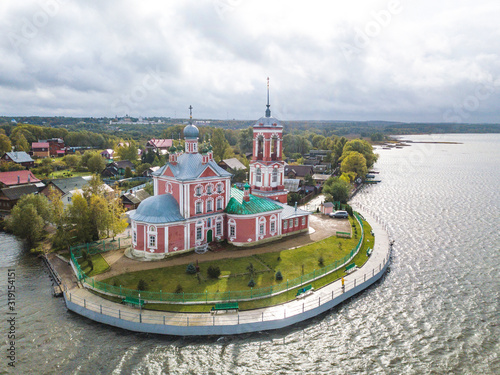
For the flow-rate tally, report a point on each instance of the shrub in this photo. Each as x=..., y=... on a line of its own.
x=90, y=263
x=278, y=258
x=321, y=261
x=179, y=289
x=251, y=269
x=191, y=269
x=279, y=276
x=213, y=272
x=142, y=285
x=251, y=283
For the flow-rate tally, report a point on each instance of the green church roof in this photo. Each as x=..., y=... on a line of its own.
x=237, y=206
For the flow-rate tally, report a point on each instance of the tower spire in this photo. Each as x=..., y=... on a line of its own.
x=268, y=111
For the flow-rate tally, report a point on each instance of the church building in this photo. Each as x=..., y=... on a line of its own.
x=194, y=203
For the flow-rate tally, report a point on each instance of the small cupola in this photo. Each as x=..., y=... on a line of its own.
x=246, y=192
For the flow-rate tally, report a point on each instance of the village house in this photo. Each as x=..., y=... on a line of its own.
x=40, y=149
x=19, y=157
x=117, y=168
x=160, y=146
x=108, y=154
x=298, y=171
x=16, y=178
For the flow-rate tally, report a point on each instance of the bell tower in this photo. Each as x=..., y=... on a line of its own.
x=267, y=170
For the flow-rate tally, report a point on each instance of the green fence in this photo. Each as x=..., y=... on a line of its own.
x=218, y=296
x=96, y=247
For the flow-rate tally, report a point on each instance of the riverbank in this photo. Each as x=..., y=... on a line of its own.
x=87, y=304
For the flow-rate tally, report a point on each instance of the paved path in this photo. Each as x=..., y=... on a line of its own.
x=88, y=304
x=323, y=227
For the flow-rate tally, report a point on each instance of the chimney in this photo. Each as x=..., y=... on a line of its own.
x=18, y=179
x=29, y=178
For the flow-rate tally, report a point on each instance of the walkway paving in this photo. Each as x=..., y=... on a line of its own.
x=323, y=227
x=88, y=304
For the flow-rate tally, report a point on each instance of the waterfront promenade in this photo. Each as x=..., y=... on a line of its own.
x=87, y=304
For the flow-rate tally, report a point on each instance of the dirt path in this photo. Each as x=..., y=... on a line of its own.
x=322, y=226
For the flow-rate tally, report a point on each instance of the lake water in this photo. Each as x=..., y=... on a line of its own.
x=437, y=310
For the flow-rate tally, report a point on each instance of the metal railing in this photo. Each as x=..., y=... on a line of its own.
x=274, y=313
x=212, y=297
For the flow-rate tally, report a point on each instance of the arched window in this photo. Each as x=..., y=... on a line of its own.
x=232, y=228
x=258, y=175
x=199, y=207
x=210, y=205
x=152, y=237
x=199, y=231
x=275, y=176
x=219, y=203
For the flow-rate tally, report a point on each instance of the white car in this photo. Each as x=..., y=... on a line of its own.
x=339, y=214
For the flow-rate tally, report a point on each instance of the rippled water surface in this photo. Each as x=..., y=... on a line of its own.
x=436, y=311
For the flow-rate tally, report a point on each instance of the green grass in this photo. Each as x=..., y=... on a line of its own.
x=100, y=265
x=289, y=262
x=359, y=259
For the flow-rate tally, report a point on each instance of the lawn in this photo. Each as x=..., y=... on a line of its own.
x=100, y=265
x=234, y=274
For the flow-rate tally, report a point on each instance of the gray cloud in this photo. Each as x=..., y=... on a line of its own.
x=412, y=62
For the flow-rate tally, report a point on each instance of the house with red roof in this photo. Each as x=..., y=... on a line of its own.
x=15, y=178
x=40, y=149
x=159, y=145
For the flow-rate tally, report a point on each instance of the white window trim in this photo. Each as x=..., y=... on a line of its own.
x=211, y=201
x=296, y=221
x=196, y=194
x=232, y=227
x=220, y=201
x=303, y=220
x=209, y=189
x=152, y=233
x=200, y=202
x=218, y=225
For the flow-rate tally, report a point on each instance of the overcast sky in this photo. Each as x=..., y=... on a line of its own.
x=327, y=60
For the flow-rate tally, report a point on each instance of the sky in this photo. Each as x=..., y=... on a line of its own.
x=396, y=60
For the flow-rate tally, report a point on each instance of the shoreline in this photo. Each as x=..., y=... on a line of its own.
x=83, y=302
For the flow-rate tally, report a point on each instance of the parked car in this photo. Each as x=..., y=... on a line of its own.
x=339, y=214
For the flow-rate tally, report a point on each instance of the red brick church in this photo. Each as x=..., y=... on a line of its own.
x=194, y=203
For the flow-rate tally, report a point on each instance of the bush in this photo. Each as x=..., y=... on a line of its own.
x=179, y=289
x=213, y=272
x=279, y=276
x=321, y=261
x=349, y=210
x=251, y=283
x=190, y=269
x=142, y=285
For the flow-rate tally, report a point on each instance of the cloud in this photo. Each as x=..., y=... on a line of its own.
x=387, y=60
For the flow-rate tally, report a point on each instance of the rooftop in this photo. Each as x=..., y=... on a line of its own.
x=237, y=206
x=17, y=178
x=157, y=210
x=19, y=157
x=190, y=166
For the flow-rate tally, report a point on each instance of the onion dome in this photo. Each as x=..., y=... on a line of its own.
x=191, y=131
x=172, y=149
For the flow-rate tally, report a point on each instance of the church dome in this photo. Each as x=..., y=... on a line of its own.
x=158, y=209
x=191, y=131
